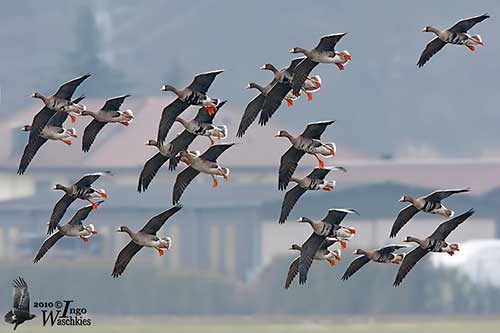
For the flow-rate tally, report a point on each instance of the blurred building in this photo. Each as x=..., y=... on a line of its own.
x=230, y=230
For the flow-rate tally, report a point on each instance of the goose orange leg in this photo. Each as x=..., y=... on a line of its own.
x=471, y=47
x=320, y=162
x=309, y=95
x=73, y=118
x=216, y=183
x=160, y=251
x=340, y=66
x=94, y=205
x=210, y=109
x=343, y=244
x=124, y=123
x=211, y=140
x=68, y=142
x=289, y=102
x=218, y=136
x=332, y=262
x=85, y=240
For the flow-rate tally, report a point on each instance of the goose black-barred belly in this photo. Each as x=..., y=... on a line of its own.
x=436, y=245
x=430, y=206
x=455, y=38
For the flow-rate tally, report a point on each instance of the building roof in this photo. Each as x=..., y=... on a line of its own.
x=125, y=147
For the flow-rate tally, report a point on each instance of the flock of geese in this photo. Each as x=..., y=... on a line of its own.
x=287, y=85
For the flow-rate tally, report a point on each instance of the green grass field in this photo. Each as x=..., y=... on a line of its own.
x=195, y=325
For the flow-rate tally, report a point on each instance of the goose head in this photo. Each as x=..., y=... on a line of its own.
x=358, y=251
x=59, y=187
x=298, y=50
x=26, y=128
x=295, y=247
x=187, y=156
x=410, y=239
x=251, y=85
x=406, y=198
x=123, y=228
x=427, y=28
x=269, y=67
x=37, y=95
x=168, y=87
x=282, y=134
x=152, y=142
x=304, y=220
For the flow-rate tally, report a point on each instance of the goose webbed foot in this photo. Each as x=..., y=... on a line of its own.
x=340, y=66
x=215, y=183
x=321, y=164
x=309, y=95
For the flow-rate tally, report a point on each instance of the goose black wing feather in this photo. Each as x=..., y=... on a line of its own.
x=181, y=183
x=289, y=201
x=47, y=245
x=90, y=133
x=288, y=164
x=408, y=263
x=124, y=257
x=156, y=222
x=150, y=170
x=355, y=266
x=59, y=211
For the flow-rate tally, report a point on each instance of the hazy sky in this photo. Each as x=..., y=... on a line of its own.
x=382, y=101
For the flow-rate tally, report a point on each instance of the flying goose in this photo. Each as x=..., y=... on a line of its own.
x=20, y=304
x=146, y=237
x=194, y=94
x=434, y=243
x=74, y=228
x=154, y=164
x=430, y=203
x=328, y=227
x=53, y=130
x=201, y=125
x=254, y=106
x=323, y=53
x=80, y=190
x=59, y=102
x=179, y=143
x=322, y=254
x=279, y=91
x=457, y=34
x=383, y=255
x=314, y=181
x=205, y=163
x=307, y=142
x=109, y=113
